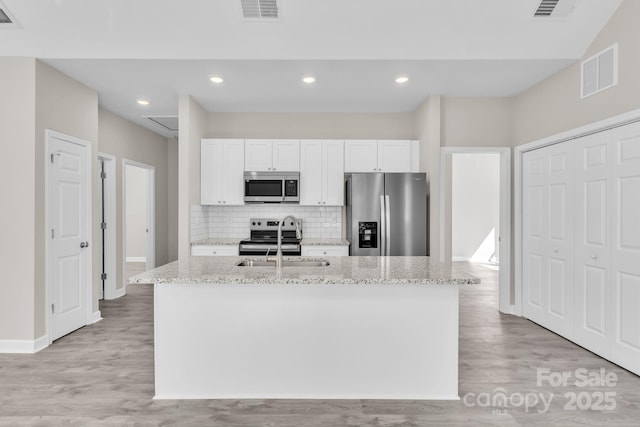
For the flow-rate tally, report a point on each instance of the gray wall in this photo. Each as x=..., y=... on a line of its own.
x=17, y=192
x=126, y=140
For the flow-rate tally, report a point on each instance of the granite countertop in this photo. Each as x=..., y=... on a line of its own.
x=218, y=241
x=324, y=242
x=341, y=270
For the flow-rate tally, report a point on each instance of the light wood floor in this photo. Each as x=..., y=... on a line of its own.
x=103, y=375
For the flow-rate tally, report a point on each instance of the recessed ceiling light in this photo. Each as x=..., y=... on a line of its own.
x=402, y=79
x=143, y=102
x=308, y=79
x=216, y=79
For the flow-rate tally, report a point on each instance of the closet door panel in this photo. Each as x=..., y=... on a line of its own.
x=559, y=240
x=626, y=246
x=593, y=290
x=534, y=226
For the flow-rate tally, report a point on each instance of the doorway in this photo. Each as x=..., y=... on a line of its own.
x=69, y=252
x=107, y=164
x=475, y=207
x=138, y=218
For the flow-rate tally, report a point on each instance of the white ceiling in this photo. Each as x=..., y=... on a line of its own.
x=159, y=49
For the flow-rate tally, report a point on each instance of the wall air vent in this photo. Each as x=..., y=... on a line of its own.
x=554, y=8
x=168, y=122
x=260, y=9
x=599, y=72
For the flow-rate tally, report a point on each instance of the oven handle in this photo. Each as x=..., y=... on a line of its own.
x=265, y=247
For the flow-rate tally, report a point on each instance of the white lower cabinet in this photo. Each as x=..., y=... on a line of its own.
x=214, y=250
x=581, y=269
x=337, y=250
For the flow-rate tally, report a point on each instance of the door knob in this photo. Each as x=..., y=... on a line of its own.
x=84, y=244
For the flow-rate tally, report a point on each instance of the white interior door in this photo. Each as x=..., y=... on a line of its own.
x=626, y=246
x=69, y=210
x=593, y=242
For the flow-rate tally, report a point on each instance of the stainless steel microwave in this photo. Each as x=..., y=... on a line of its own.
x=272, y=187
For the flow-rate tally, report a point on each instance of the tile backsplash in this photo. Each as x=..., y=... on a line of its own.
x=233, y=221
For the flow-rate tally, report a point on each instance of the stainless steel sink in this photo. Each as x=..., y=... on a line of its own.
x=286, y=263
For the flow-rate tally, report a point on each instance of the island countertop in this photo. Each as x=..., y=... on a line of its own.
x=341, y=270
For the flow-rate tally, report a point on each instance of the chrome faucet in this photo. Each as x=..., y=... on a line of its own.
x=278, y=258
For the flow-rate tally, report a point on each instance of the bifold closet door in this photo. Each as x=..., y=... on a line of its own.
x=626, y=246
x=548, y=237
x=592, y=284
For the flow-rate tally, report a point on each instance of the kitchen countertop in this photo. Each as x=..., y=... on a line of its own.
x=324, y=242
x=217, y=241
x=341, y=270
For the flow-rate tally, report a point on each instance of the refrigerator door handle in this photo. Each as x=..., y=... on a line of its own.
x=383, y=227
x=388, y=225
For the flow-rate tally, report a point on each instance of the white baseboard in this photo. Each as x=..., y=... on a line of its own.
x=95, y=317
x=24, y=346
x=115, y=294
x=461, y=258
x=136, y=259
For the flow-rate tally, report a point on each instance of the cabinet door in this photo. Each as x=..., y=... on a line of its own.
x=311, y=172
x=333, y=173
x=361, y=156
x=258, y=155
x=214, y=250
x=211, y=172
x=286, y=155
x=394, y=156
x=233, y=172
x=625, y=255
x=592, y=272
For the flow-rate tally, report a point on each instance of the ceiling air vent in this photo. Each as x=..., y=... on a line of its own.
x=554, y=8
x=599, y=72
x=168, y=122
x=259, y=9
x=4, y=18
x=546, y=8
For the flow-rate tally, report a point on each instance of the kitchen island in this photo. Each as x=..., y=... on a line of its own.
x=358, y=328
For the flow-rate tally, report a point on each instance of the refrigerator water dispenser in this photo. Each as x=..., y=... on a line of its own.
x=368, y=235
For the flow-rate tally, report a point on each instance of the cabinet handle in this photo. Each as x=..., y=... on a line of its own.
x=319, y=203
x=224, y=201
x=594, y=256
x=555, y=251
x=219, y=202
x=214, y=252
x=324, y=203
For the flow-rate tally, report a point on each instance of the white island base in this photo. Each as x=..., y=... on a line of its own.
x=306, y=341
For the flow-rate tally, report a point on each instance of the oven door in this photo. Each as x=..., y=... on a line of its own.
x=263, y=190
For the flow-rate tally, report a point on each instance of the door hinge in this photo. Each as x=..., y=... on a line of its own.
x=52, y=233
x=103, y=276
x=53, y=308
x=103, y=225
x=103, y=175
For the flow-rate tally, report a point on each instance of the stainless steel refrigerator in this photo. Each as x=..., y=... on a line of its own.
x=387, y=213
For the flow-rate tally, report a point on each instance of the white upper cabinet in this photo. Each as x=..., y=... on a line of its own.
x=321, y=173
x=361, y=156
x=222, y=172
x=381, y=156
x=272, y=155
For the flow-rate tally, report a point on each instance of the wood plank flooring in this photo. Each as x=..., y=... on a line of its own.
x=102, y=375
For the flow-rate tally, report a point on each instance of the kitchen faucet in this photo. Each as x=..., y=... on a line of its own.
x=278, y=258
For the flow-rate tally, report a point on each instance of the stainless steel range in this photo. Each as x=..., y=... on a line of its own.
x=264, y=238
